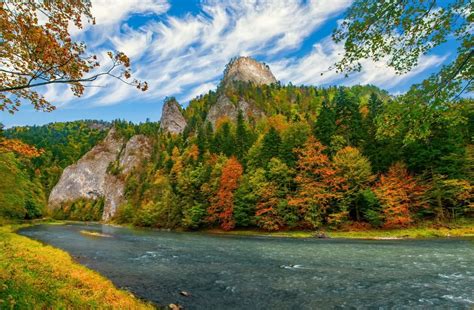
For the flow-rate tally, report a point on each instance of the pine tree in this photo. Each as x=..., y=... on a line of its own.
x=325, y=126
x=270, y=145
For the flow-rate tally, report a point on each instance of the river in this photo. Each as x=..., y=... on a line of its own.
x=235, y=272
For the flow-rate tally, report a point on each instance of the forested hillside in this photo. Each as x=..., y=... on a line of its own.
x=28, y=178
x=319, y=157
x=322, y=157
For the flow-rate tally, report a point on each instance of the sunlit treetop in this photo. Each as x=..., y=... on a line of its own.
x=400, y=31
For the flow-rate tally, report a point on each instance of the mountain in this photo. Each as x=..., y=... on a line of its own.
x=296, y=157
x=241, y=70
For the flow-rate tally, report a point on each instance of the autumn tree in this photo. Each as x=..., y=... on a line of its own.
x=272, y=210
x=356, y=170
x=400, y=195
x=318, y=186
x=19, y=147
x=222, y=207
x=36, y=49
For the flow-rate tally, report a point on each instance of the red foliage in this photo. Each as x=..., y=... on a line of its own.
x=222, y=207
x=267, y=215
x=318, y=184
x=400, y=196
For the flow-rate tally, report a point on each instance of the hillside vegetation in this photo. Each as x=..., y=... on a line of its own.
x=335, y=157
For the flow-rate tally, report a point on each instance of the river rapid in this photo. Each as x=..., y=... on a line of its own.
x=235, y=272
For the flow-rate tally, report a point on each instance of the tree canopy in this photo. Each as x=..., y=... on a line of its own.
x=37, y=49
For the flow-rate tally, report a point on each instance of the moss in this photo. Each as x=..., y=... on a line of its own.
x=36, y=275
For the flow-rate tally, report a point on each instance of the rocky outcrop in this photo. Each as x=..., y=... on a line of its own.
x=242, y=69
x=89, y=177
x=224, y=107
x=86, y=178
x=137, y=149
x=247, y=69
x=172, y=120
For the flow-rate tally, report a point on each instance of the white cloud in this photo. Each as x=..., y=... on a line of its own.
x=185, y=56
x=108, y=12
x=192, y=50
x=312, y=69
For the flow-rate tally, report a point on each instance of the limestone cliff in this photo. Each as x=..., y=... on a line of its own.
x=89, y=179
x=242, y=69
x=172, y=120
x=136, y=151
x=247, y=69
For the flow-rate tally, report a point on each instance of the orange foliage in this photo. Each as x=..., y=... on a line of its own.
x=16, y=146
x=222, y=207
x=267, y=215
x=400, y=195
x=318, y=184
x=193, y=152
x=221, y=121
x=37, y=49
x=278, y=122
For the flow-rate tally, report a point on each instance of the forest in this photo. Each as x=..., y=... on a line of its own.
x=337, y=157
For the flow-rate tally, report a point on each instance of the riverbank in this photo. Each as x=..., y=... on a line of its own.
x=39, y=275
x=464, y=228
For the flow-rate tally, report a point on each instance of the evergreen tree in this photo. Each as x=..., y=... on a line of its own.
x=270, y=145
x=325, y=126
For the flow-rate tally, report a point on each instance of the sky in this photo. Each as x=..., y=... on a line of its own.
x=181, y=47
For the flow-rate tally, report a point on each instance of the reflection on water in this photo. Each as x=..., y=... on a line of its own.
x=231, y=272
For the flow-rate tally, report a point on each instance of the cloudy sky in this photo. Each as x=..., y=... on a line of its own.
x=180, y=47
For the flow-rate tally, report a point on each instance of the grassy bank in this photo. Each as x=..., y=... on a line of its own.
x=463, y=228
x=34, y=275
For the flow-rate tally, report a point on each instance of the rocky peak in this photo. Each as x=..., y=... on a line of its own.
x=172, y=120
x=243, y=69
x=247, y=69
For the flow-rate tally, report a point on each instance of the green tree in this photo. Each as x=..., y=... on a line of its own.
x=356, y=170
x=401, y=32
x=325, y=126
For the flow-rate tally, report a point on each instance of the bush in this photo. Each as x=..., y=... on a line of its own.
x=370, y=207
x=80, y=210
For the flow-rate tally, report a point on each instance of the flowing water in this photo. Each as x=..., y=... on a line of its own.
x=234, y=272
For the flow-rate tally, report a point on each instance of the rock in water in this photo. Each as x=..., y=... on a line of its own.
x=172, y=120
x=89, y=179
x=242, y=69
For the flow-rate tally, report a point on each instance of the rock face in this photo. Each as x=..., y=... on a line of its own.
x=244, y=69
x=137, y=149
x=247, y=69
x=86, y=178
x=172, y=120
x=89, y=179
x=224, y=107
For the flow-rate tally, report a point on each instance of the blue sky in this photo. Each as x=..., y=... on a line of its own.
x=180, y=47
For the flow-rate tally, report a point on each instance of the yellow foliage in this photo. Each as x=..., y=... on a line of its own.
x=34, y=275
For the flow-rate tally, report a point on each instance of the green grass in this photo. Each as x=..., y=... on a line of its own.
x=464, y=228
x=37, y=276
